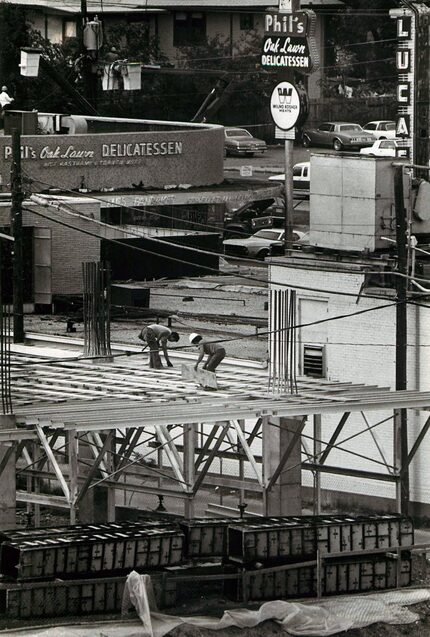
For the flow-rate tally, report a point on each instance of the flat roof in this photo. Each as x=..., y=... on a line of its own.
x=91, y=395
x=159, y=6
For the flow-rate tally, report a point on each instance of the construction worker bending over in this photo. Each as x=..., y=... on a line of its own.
x=214, y=351
x=156, y=337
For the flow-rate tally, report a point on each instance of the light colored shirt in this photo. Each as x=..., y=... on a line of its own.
x=161, y=331
x=5, y=99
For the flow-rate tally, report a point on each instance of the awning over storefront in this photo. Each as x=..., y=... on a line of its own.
x=237, y=192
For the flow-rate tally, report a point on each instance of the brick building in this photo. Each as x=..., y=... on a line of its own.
x=346, y=321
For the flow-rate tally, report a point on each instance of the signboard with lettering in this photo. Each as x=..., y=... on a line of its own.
x=286, y=24
x=406, y=77
x=286, y=106
x=155, y=159
x=289, y=42
x=286, y=52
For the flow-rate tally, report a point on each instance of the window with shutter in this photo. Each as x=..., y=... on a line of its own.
x=313, y=361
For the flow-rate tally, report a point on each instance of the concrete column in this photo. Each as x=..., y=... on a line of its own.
x=284, y=497
x=190, y=441
x=98, y=504
x=8, y=478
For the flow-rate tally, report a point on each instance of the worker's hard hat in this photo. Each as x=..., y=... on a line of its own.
x=193, y=336
x=4, y=88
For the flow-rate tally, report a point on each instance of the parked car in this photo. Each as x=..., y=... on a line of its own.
x=262, y=244
x=238, y=223
x=301, y=178
x=339, y=135
x=239, y=141
x=381, y=148
x=381, y=128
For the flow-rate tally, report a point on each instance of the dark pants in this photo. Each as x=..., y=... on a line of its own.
x=214, y=360
x=154, y=350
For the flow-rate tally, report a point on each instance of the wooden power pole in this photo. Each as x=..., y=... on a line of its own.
x=16, y=226
x=401, y=333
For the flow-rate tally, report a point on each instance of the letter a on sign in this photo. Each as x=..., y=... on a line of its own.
x=403, y=126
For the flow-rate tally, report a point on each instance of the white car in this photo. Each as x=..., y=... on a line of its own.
x=381, y=148
x=381, y=128
x=301, y=178
x=264, y=243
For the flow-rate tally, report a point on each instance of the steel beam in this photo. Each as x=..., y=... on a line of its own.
x=347, y=471
x=247, y=450
x=334, y=437
x=416, y=446
x=53, y=461
x=205, y=449
x=222, y=434
x=95, y=467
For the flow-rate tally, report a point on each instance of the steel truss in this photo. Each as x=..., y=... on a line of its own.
x=81, y=425
x=113, y=460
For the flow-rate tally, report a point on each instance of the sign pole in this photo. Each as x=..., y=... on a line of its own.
x=289, y=193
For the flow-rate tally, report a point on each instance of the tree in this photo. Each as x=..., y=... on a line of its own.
x=361, y=42
x=13, y=36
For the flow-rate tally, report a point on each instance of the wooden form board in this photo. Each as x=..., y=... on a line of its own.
x=200, y=376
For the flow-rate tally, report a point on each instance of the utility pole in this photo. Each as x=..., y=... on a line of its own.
x=16, y=225
x=401, y=333
x=89, y=76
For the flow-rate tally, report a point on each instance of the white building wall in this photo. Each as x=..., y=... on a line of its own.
x=361, y=349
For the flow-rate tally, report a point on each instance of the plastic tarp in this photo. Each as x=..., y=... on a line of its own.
x=311, y=619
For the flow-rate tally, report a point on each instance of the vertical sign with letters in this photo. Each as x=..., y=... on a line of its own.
x=405, y=65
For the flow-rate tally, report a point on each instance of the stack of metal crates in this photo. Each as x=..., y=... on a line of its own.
x=301, y=556
x=90, y=560
x=81, y=568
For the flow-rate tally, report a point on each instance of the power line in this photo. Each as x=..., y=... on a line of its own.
x=182, y=261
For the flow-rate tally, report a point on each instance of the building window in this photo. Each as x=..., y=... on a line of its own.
x=189, y=28
x=246, y=21
x=313, y=361
x=69, y=29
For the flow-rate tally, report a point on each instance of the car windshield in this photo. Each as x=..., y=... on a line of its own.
x=237, y=132
x=389, y=126
x=350, y=127
x=267, y=234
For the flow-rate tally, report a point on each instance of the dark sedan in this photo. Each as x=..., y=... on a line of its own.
x=338, y=135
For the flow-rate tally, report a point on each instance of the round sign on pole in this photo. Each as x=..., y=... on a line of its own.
x=285, y=105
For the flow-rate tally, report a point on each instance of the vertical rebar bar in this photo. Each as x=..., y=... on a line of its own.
x=96, y=310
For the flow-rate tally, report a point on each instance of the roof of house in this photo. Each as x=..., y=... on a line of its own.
x=156, y=6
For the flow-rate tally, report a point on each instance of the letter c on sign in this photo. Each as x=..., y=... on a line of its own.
x=403, y=93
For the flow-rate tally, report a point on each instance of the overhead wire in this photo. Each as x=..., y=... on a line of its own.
x=183, y=261
x=72, y=211
x=147, y=212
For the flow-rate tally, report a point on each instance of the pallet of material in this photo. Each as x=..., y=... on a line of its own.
x=93, y=554
x=339, y=577
x=278, y=540
x=75, y=597
x=142, y=523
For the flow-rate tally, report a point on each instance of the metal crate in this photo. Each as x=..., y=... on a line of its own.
x=75, y=597
x=289, y=539
x=371, y=573
x=75, y=555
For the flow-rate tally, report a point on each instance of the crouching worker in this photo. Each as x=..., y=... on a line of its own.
x=156, y=337
x=214, y=351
